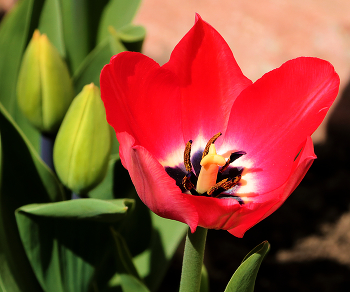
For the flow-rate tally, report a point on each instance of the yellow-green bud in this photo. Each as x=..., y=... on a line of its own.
x=44, y=87
x=83, y=143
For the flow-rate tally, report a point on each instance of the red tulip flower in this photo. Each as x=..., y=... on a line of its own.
x=203, y=144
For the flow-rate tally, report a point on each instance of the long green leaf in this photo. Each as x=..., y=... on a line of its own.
x=90, y=70
x=51, y=24
x=80, y=23
x=83, y=209
x=204, y=280
x=75, y=29
x=25, y=179
x=7, y=280
x=123, y=256
x=137, y=228
x=153, y=263
x=67, y=242
x=105, y=190
x=243, y=280
x=20, y=159
x=14, y=32
x=127, y=282
x=131, y=284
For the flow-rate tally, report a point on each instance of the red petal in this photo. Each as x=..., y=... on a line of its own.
x=210, y=80
x=153, y=185
x=271, y=118
x=229, y=215
x=142, y=99
x=260, y=210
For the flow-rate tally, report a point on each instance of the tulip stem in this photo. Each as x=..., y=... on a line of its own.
x=193, y=260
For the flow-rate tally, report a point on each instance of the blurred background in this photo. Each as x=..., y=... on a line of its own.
x=310, y=233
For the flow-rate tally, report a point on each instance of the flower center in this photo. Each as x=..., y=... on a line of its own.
x=211, y=180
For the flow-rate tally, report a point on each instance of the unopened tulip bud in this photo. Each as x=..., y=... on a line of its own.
x=83, y=143
x=44, y=88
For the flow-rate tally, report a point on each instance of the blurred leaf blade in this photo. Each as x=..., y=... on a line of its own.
x=16, y=145
x=90, y=69
x=131, y=284
x=152, y=264
x=14, y=33
x=105, y=189
x=82, y=209
x=124, y=258
x=75, y=30
x=204, y=280
x=18, y=159
x=117, y=13
x=13, y=37
x=51, y=24
x=243, y=280
x=67, y=242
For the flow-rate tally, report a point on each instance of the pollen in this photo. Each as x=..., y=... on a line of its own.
x=211, y=181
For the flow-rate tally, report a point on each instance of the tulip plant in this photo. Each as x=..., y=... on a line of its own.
x=85, y=205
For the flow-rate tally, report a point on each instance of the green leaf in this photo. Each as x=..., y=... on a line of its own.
x=68, y=242
x=90, y=70
x=137, y=228
x=153, y=263
x=243, y=280
x=128, y=283
x=117, y=13
x=18, y=151
x=81, y=19
x=204, y=280
x=130, y=37
x=132, y=33
x=123, y=255
x=75, y=31
x=50, y=23
x=25, y=179
x=131, y=284
x=104, y=190
x=14, y=33
x=82, y=209
x=7, y=281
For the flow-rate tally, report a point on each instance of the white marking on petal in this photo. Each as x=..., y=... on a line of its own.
x=249, y=184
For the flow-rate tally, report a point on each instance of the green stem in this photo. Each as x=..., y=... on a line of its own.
x=193, y=260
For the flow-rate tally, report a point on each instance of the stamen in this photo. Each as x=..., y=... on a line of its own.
x=187, y=183
x=233, y=157
x=187, y=156
x=211, y=141
x=216, y=186
x=223, y=185
x=206, y=184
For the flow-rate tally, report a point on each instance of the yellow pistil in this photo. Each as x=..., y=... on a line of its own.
x=209, y=171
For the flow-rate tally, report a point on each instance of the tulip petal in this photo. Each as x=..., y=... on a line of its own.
x=210, y=80
x=228, y=214
x=271, y=118
x=153, y=185
x=270, y=202
x=143, y=99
